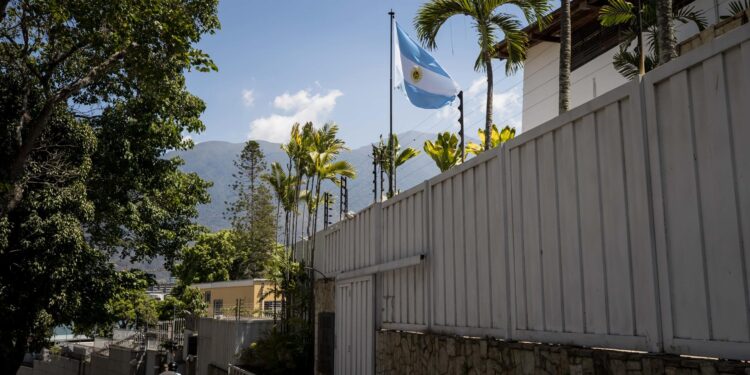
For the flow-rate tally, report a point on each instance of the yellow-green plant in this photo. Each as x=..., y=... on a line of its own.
x=496, y=139
x=444, y=151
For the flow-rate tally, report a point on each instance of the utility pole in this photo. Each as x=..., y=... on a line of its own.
x=343, y=198
x=461, y=122
x=326, y=209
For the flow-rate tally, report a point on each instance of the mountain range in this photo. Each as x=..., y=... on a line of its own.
x=213, y=161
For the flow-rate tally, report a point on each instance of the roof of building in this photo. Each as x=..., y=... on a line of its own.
x=231, y=283
x=583, y=13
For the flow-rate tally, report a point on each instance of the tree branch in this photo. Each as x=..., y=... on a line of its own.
x=37, y=125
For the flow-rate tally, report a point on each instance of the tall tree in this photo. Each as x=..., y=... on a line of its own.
x=667, y=40
x=252, y=214
x=89, y=54
x=565, y=57
x=92, y=95
x=487, y=21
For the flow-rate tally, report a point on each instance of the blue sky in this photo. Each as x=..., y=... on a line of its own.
x=286, y=61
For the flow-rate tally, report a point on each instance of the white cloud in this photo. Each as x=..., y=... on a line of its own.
x=448, y=112
x=478, y=86
x=507, y=106
x=301, y=107
x=248, y=98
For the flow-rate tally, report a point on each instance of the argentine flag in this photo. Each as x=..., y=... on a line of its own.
x=418, y=74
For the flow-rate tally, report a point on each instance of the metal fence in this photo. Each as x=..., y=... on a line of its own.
x=622, y=223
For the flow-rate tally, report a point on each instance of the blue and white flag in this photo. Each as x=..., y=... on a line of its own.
x=419, y=75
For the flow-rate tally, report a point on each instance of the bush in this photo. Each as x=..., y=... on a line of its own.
x=279, y=353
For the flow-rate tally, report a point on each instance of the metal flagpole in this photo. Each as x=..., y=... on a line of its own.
x=390, y=132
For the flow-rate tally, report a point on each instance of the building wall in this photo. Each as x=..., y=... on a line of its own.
x=540, y=87
x=415, y=353
x=249, y=294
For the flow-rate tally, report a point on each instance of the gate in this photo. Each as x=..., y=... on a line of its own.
x=355, y=326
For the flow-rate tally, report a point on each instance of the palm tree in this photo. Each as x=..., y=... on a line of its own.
x=496, y=139
x=667, y=41
x=565, y=57
x=444, y=151
x=622, y=13
x=487, y=21
x=382, y=154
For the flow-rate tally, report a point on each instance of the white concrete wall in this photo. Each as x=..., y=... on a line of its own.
x=540, y=83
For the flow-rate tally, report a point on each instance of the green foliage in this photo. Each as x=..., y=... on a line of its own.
x=384, y=152
x=487, y=21
x=131, y=307
x=623, y=14
x=209, y=259
x=252, y=214
x=496, y=139
x=278, y=353
x=184, y=300
x=286, y=349
x=92, y=95
x=444, y=151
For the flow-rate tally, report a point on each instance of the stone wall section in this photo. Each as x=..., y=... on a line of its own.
x=416, y=353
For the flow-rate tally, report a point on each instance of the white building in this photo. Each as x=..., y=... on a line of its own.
x=592, y=49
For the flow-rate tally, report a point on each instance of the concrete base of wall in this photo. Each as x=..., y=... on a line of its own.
x=417, y=353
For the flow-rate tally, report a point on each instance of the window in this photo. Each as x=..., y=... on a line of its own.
x=271, y=308
x=207, y=296
x=218, y=307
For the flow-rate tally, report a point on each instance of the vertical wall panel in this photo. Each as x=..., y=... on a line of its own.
x=594, y=282
x=550, y=248
x=698, y=126
x=615, y=222
x=571, y=258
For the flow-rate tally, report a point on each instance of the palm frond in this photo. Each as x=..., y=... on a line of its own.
x=626, y=63
x=533, y=10
x=616, y=12
x=432, y=15
x=404, y=156
x=689, y=14
x=738, y=6
x=516, y=40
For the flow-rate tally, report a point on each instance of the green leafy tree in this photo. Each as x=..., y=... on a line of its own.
x=496, y=139
x=623, y=14
x=252, y=214
x=183, y=301
x=444, y=151
x=487, y=21
x=131, y=307
x=90, y=53
x=209, y=259
x=92, y=94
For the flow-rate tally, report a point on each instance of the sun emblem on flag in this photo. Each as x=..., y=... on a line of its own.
x=416, y=74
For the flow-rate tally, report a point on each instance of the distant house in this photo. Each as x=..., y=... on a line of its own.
x=243, y=298
x=592, y=49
